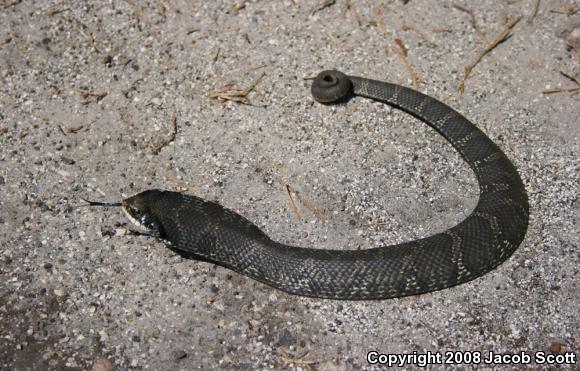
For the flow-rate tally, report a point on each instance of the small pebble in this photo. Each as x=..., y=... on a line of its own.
x=108, y=60
x=68, y=161
x=120, y=232
x=557, y=346
x=102, y=364
x=93, y=308
x=179, y=354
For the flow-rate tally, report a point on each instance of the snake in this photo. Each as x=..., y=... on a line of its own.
x=207, y=231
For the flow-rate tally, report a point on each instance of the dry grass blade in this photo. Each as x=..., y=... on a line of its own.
x=216, y=54
x=320, y=213
x=308, y=365
x=352, y=7
x=235, y=8
x=333, y=40
x=191, y=30
x=95, y=95
x=534, y=12
x=8, y=4
x=570, y=76
x=379, y=22
x=230, y=92
x=53, y=11
x=504, y=35
x=562, y=90
x=22, y=49
x=567, y=10
x=402, y=51
x=322, y=5
x=421, y=35
x=290, y=200
x=74, y=128
x=473, y=21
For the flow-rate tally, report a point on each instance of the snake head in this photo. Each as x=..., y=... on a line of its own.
x=139, y=210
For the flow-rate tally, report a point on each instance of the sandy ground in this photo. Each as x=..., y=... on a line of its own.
x=90, y=95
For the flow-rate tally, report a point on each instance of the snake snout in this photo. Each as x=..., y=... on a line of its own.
x=331, y=86
x=140, y=211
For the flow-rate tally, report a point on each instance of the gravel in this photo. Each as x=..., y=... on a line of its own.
x=90, y=92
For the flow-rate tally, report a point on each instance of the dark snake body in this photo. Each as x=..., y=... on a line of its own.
x=481, y=242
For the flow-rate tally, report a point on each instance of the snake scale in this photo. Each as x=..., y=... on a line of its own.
x=487, y=237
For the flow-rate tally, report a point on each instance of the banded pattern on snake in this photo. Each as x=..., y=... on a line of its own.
x=486, y=238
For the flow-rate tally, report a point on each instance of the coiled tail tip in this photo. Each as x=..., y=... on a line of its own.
x=331, y=86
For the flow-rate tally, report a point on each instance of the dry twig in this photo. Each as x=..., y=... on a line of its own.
x=534, y=12
x=504, y=35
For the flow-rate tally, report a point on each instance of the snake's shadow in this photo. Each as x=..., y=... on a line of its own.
x=189, y=255
x=341, y=101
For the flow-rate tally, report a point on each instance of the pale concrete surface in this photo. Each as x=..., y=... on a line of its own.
x=76, y=292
